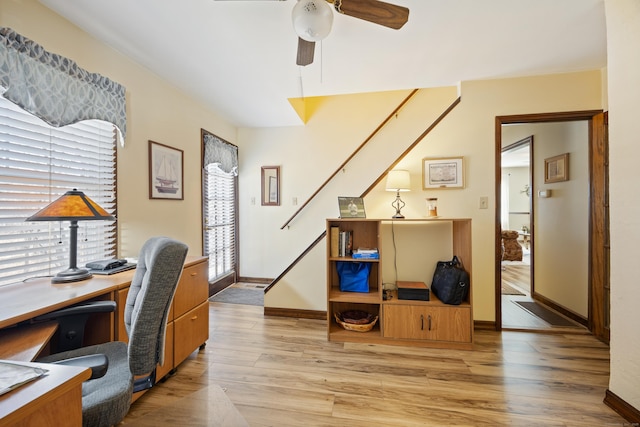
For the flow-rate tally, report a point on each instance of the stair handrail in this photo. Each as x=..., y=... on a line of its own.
x=348, y=159
x=367, y=191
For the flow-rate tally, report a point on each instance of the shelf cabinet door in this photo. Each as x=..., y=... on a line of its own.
x=423, y=322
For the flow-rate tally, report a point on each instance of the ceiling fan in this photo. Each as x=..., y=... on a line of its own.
x=312, y=20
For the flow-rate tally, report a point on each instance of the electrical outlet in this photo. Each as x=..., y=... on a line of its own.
x=484, y=202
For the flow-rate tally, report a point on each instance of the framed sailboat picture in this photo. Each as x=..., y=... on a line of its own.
x=165, y=172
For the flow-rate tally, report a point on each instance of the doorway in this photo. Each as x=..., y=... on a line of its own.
x=595, y=269
x=516, y=219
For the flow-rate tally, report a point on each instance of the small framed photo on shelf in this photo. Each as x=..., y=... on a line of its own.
x=442, y=173
x=165, y=172
x=556, y=169
x=351, y=207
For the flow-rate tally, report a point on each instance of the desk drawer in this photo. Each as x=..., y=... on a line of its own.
x=193, y=288
x=190, y=332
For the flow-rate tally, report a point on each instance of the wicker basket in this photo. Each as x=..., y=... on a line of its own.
x=363, y=327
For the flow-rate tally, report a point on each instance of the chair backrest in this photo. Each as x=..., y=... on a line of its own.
x=160, y=264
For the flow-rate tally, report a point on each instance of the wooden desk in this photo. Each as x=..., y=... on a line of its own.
x=24, y=343
x=21, y=302
x=26, y=300
x=53, y=399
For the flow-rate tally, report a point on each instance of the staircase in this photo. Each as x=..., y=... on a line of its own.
x=361, y=171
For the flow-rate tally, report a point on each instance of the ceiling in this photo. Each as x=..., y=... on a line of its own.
x=239, y=57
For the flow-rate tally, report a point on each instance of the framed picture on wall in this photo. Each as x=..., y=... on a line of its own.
x=556, y=169
x=270, y=185
x=166, y=173
x=442, y=173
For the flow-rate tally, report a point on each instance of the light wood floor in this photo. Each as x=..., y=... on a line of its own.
x=283, y=372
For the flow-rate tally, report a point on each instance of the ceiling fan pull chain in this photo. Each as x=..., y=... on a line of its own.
x=321, y=61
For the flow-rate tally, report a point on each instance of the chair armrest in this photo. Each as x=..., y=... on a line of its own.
x=72, y=321
x=84, y=308
x=99, y=363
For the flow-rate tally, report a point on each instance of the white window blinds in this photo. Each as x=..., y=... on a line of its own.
x=220, y=221
x=39, y=163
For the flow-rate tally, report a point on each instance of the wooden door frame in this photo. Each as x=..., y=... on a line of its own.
x=598, y=217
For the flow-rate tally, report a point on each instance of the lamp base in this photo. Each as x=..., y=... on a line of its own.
x=398, y=204
x=71, y=275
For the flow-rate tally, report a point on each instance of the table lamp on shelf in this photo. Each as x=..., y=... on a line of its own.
x=398, y=180
x=72, y=206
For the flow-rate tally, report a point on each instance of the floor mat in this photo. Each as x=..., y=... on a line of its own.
x=545, y=314
x=234, y=295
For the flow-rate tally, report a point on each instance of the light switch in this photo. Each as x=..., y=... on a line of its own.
x=484, y=202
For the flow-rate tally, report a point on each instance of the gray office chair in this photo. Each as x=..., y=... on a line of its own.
x=106, y=400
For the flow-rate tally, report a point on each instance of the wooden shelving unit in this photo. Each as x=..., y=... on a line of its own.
x=411, y=247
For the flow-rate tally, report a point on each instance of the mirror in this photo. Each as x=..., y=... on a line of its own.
x=270, y=185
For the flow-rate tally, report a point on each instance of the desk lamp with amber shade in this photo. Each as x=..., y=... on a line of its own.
x=72, y=206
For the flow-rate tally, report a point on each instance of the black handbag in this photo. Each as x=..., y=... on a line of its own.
x=450, y=282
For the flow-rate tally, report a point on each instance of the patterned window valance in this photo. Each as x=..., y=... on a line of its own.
x=218, y=151
x=55, y=88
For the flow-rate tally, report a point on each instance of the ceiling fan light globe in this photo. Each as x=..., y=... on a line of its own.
x=312, y=19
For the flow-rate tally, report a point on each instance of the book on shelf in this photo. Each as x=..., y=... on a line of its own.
x=368, y=253
x=367, y=250
x=334, y=241
x=365, y=256
x=345, y=242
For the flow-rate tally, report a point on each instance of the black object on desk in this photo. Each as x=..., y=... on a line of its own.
x=109, y=266
x=123, y=267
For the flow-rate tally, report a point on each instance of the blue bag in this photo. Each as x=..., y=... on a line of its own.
x=354, y=276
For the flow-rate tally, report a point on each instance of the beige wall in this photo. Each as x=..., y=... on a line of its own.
x=623, y=33
x=155, y=111
x=468, y=131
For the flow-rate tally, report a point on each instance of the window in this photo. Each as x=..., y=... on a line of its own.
x=220, y=221
x=220, y=207
x=39, y=163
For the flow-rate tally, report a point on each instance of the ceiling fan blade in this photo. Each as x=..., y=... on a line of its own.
x=305, y=52
x=378, y=12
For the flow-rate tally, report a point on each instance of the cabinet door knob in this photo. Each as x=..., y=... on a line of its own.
x=194, y=318
x=429, y=322
x=422, y=322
